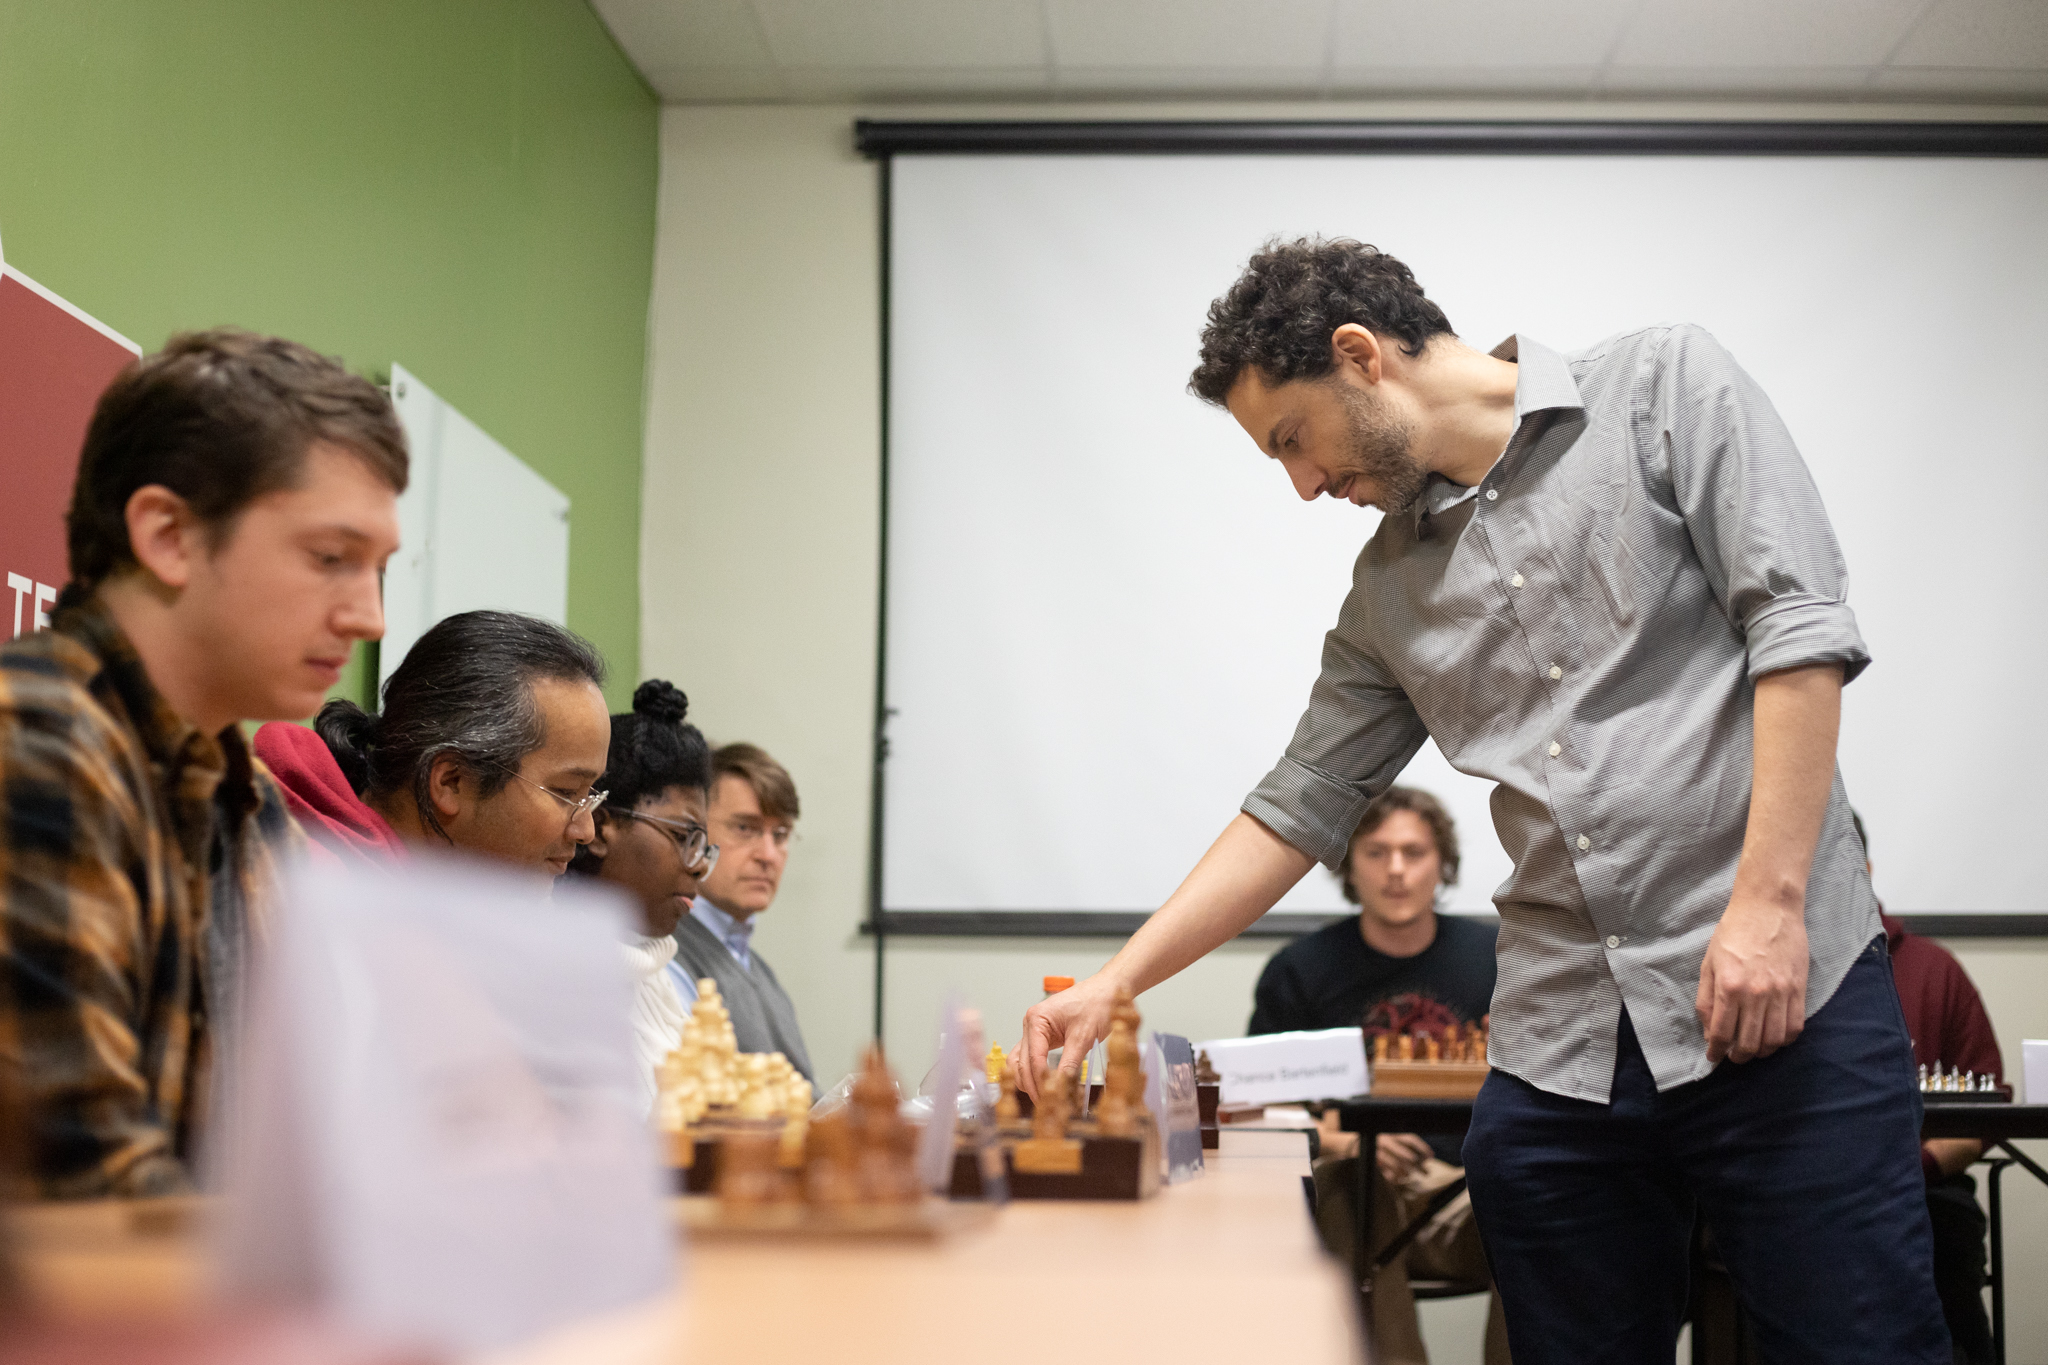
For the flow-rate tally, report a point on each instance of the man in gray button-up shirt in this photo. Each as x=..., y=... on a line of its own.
x=1606, y=583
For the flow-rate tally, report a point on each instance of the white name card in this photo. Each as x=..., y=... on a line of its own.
x=434, y=1136
x=1308, y=1064
x=2034, y=1070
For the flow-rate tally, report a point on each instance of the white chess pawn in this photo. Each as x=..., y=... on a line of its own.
x=1923, y=1078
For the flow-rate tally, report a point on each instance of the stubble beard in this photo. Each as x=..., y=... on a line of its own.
x=1381, y=451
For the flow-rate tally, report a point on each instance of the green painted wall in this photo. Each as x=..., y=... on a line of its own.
x=465, y=187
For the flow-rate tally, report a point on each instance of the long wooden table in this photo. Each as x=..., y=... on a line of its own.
x=1216, y=1269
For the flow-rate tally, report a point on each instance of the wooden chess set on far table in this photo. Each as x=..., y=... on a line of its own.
x=1449, y=1064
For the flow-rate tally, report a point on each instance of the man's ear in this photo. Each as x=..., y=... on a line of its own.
x=1356, y=348
x=447, y=782
x=165, y=536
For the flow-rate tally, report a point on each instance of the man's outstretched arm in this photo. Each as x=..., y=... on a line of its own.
x=1245, y=871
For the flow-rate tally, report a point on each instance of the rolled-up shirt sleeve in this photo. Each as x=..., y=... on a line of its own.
x=1750, y=504
x=1357, y=735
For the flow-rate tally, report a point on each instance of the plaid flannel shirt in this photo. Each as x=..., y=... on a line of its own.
x=135, y=859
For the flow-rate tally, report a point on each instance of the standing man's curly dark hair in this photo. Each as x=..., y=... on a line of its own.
x=1278, y=317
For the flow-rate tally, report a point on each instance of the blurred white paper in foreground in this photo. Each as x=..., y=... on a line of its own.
x=434, y=1137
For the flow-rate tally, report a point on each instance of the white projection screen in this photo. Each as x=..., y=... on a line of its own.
x=1104, y=607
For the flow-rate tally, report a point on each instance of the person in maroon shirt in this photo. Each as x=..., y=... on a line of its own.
x=1950, y=1029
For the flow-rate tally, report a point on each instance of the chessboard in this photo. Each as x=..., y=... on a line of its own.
x=1427, y=1080
x=1450, y=1065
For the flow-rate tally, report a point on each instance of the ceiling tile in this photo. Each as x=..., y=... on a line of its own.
x=849, y=83
x=901, y=34
x=1758, y=33
x=1367, y=82
x=2007, y=34
x=1383, y=34
x=713, y=84
x=1238, y=82
x=1787, y=82
x=1975, y=84
x=685, y=33
x=1216, y=34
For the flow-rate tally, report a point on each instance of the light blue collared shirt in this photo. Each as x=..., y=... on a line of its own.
x=734, y=933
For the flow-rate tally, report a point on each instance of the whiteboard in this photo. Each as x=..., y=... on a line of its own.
x=1105, y=608
x=478, y=529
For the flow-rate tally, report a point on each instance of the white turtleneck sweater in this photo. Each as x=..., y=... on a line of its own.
x=658, y=1012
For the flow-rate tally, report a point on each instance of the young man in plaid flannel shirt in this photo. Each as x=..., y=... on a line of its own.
x=235, y=503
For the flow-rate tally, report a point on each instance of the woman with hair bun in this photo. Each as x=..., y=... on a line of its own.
x=652, y=843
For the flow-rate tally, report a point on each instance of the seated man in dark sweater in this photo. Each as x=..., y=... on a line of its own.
x=1399, y=967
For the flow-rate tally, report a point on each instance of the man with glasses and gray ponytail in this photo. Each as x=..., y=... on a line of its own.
x=491, y=739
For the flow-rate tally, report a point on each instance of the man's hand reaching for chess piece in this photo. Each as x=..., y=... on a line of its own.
x=1073, y=1020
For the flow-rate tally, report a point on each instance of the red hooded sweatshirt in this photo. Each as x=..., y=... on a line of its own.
x=319, y=797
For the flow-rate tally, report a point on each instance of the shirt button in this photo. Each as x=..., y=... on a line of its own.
x=1555, y=750
x=1614, y=940
x=1555, y=673
x=1584, y=843
x=1493, y=495
x=1515, y=582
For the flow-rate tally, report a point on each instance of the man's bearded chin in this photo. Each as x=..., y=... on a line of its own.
x=1380, y=452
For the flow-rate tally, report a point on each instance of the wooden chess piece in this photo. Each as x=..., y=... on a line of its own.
x=796, y=1121
x=831, y=1176
x=1379, y=1048
x=1055, y=1105
x=748, y=1175
x=1123, y=1077
x=1407, y=1047
x=1205, y=1070
x=884, y=1143
x=1432, y=1050
x=992, y=1065
x=1008, y=1111
x=1049, y=1151
x=757, y=1093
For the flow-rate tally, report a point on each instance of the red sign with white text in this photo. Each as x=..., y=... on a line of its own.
x=54, y=363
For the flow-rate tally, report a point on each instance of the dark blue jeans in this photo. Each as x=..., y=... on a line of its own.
x=1806, y=1165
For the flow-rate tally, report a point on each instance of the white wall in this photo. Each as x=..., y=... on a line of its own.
x=759, y=571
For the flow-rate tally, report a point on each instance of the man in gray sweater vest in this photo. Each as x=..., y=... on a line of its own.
x=753, y=814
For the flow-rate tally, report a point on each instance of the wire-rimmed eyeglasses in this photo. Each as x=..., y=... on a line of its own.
x=692, y=840
x=586, y=804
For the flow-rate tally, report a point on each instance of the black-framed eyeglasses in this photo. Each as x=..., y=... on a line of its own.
x=692, y=840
